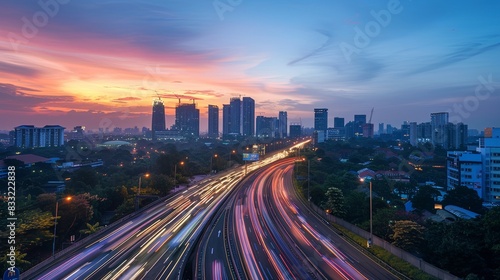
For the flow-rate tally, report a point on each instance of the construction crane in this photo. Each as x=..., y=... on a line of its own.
x=178, y=98
x=159, y=97
x=371, y=115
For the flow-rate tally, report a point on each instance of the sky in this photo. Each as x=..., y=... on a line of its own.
x=101, y=63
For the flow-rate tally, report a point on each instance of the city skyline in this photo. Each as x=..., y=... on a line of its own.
x=406, y=59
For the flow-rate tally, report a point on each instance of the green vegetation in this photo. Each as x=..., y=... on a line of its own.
x=102, y=194
x=464, y=248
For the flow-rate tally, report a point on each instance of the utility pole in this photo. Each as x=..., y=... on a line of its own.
x=308, y=179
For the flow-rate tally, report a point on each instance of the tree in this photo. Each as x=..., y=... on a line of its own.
x=21, y=263
x=72, y=214
x=381, y=221
x=424, y=199
x=335, y=202
x=464, y=197
x=490, y=227
x=91, y=228
x=34, y=227
x=356, y=207
x=456, y=247
x=408, y=235
x=161, y=183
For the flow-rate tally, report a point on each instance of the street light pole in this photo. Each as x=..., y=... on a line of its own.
x=55, y=229
x=371, y=215
x=370, y=240
x=229, y=158
x=140, y=181
x=308, y=178
x=139, y=192
x=211, y=162
x=175, y=173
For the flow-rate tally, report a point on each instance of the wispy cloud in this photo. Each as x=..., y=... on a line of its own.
x=461, y=52
x=20, y=70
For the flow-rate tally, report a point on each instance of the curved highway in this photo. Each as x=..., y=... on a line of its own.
x=265, y=232
x=155, y=243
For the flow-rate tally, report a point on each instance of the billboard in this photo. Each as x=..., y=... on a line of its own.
x=250, y=157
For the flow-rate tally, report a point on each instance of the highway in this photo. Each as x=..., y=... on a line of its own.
x=154, y=244
x=263, y=231
x=150, y=245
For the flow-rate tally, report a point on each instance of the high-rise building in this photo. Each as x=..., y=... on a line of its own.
x=29, y=136
x=367, y=130
x=283, y=124
x=439, y=134
x=235, y=116
x=158, y=117
x=335, y=133
x=213, y=121
x=350, y=130
x=187, y=120
x=461, y=135
x=381, y=128
x=389, y=129
x=478, y=170
x=248, y=116
x=424, y=132
x=413, y=134
x=464, y=169
x=226, y=112
x=405, y=131
x=266, y=126
x=489, y=147
x=321, y=120
x=77, y=133
x=338, y=122
x=359, y=120
x=295, y=130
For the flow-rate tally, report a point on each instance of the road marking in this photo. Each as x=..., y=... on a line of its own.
x=218, y=235
x=212, y=250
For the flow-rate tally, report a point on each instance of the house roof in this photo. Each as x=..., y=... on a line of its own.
x=26, y=158
x=366, y=172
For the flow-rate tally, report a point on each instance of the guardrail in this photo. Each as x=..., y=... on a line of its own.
x=79, y=244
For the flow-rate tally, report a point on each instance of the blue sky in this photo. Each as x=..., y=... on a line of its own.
x=97, y=60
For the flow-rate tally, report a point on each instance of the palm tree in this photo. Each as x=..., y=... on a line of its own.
x=91, y=228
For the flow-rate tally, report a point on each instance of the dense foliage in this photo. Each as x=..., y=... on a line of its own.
x=465, y=247
x=100, y=194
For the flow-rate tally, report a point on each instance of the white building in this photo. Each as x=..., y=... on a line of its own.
x=465, y=169
x=489, y=147
x=29, y=136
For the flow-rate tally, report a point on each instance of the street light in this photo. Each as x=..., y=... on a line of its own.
x=369, y=243
x=139, y=191
x=229, y=157
x=140, y=181
x=175, y=173
x=211, y=162
x=55, y=226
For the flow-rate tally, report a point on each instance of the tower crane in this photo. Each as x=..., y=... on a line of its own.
x=177, y=97
x=159, y=97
